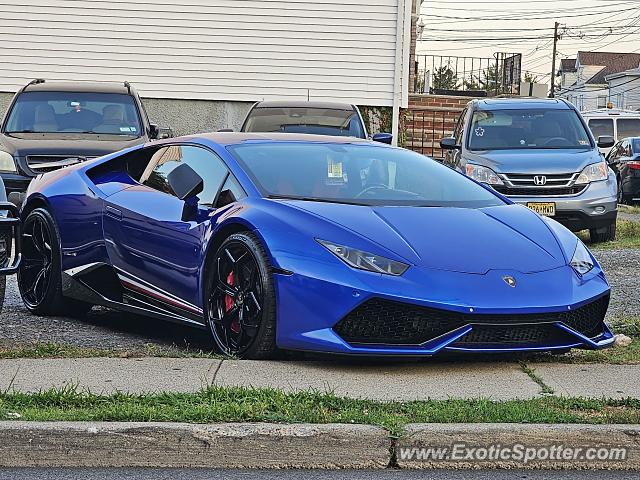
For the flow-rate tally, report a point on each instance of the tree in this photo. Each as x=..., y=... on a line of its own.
x=530, y=78
x=444, y=78
x=488, y=80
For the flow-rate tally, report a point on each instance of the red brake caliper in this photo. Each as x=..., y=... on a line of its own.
x=229, y=303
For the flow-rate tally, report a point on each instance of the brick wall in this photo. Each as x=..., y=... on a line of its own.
x=428, y=119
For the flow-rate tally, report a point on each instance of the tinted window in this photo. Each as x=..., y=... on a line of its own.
x=527, y=129
x=231, y=192
x=636, y=145
x=628, y=127
x=601, y=126
x=319, y=121
x=62, y=112
x=206, y=164
x=358, y=174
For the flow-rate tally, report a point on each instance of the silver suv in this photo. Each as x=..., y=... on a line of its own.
x=540, y=153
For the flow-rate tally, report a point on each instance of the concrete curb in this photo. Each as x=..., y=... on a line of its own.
x=538, y=439
x=243, y=445
x=275, y=446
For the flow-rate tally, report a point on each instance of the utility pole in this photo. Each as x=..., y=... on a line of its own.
x=553, y=61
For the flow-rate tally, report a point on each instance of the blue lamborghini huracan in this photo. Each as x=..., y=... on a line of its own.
x=281, y=241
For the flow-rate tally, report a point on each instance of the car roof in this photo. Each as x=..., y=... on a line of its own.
x=235, y=138
x=518, y=103
x=303, y=104
x=88, y=87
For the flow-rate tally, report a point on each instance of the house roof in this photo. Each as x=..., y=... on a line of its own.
x=612, y=62
x=634, y=72
x=568, y=65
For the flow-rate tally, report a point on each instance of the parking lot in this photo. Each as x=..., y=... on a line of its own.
x=131, y=334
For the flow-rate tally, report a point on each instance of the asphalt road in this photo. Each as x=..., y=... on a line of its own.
x=103, y=328
x=189, y=474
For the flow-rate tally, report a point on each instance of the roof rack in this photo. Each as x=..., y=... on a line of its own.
x=128, y=85
x=33, y=82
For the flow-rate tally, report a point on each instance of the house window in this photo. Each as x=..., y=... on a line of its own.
x=602, y=101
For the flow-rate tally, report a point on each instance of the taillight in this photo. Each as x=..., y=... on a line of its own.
x=634, y=165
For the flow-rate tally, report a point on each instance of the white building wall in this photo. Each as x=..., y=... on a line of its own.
x=625, y=92
x=229, y=50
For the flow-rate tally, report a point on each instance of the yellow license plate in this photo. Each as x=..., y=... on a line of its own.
x=548, y=209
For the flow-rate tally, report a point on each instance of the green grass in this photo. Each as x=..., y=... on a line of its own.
x=627, y=236
x=218, y=404
x=632, y=209
x=55, y=350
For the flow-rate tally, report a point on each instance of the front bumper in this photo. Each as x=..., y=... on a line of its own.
x=310, y=311
x=10, y=232
x=595, y=207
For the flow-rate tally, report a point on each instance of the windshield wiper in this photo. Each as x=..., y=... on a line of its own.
x=315, y=199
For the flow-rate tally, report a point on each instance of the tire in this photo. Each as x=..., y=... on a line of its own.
x=240, y=304
x=604, y=234
x=40, y=275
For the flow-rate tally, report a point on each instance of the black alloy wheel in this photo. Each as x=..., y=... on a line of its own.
x=40, y=276
x=36, y=270
x=240, y=299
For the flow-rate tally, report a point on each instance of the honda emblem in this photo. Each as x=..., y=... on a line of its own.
x=540, y=180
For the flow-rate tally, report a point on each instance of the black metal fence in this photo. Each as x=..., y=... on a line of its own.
x=474, y=76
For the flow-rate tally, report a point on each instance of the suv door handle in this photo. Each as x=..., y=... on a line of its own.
x=113, y=212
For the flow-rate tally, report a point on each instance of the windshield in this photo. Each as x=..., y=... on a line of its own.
x=357, y=174
x=69, y=112
x=527, y=129
x=319, y=121
x=628, y=127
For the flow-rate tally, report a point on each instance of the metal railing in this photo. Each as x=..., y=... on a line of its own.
x=474, y=76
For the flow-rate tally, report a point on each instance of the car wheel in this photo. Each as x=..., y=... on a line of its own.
x=39, y=276
x=240, y=299
x=604, y=234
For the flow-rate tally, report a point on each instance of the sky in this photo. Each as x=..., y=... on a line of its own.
x=481, y=28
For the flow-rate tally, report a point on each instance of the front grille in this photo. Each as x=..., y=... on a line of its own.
x=48, y=163
x=556, y=184
x=380, y=321
x=539, y=192
x=514, y=335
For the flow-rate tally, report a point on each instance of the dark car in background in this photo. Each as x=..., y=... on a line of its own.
x=539, y=153
x=318, y=118
x=624, y=159
x=9, y=230
x=50, y=125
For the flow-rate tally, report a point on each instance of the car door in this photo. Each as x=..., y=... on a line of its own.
x=155, y=240
x=452, y=157
x=622, y=168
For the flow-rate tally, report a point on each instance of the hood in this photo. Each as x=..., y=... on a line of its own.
x=546, y=161
x=83, y=145
x=508, y=237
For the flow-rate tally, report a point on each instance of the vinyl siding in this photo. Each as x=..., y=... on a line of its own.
x=625, y=92
x=234, y=50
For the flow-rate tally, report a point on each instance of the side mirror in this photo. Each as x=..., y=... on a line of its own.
x=226, y=130
x=383, y=138
x=606, y=141
x=164, y=132
x=185, y=182
x=449, y=143
x=153, y=131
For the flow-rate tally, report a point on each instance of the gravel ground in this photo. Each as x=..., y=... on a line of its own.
x=107, y=329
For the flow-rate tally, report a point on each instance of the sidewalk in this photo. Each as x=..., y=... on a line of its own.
x=376, y=381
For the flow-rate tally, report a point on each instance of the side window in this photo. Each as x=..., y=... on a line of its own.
x=457, y=133
x=231, y=192
x=601, y=126
x=206, y=164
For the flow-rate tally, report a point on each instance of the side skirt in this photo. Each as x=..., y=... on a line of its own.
x=100, y=284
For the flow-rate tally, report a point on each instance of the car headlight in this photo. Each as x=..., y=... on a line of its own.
x=581, y=262
x=483, y=174
x=365, y=261
x=7, y=164
x=593, y=173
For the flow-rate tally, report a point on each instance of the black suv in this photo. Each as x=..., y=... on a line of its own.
x=50, y=125
x=9, y=231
